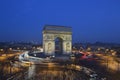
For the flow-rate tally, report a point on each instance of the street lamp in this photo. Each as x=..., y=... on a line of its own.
x=33, y=47
x=1, y=49
x=24, y=47
x=10, y=49
x=18, y=48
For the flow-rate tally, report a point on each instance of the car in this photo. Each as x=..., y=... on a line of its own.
x=85, y=56
x=72, y=56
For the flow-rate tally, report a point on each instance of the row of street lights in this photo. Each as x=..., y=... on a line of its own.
x=98, y=50
x=24, y=48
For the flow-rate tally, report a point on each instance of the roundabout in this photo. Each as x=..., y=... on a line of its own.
x=54, y=69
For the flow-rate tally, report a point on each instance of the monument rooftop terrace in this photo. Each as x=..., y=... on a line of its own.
x=57, y=28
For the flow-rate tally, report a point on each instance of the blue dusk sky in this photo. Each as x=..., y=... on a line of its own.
x=91, y=20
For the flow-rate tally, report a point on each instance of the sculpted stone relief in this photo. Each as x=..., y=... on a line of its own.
x=68, y=37
x=56, y=35
x=44, y=37
x=49, y=47
x=53, y=36
x=48, y=37
x=59, y=35
x=67, y=46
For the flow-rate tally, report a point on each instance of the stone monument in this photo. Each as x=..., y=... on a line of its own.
x=53, y=32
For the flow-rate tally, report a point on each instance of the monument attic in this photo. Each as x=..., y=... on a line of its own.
x=57, y=39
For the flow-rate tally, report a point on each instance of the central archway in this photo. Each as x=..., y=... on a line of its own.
x=58, y=46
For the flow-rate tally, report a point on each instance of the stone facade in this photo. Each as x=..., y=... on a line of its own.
x=51, y=32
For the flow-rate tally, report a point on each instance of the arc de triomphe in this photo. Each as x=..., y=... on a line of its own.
x=53, y=32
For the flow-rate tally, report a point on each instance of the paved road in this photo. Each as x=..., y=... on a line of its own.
x=50, y=72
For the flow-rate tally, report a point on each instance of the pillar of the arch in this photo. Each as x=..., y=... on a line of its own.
x=67, y=47
x=49, y=47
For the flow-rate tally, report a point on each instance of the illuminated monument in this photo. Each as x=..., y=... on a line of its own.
x=57, y=39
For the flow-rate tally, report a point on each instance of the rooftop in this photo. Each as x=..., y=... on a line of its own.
x=57, y=28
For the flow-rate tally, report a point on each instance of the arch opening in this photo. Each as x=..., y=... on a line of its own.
x=58, y=46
